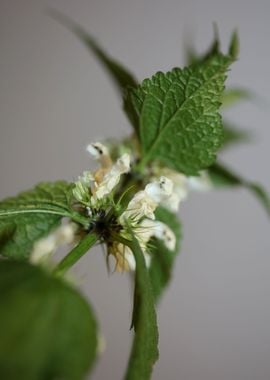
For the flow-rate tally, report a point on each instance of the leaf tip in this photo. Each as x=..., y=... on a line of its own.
x=233, y=51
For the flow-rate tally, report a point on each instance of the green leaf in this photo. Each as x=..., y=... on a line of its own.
x=232, y=135
x=221, y=176
x=48, y=330
x=6, y=233
x=32, y=215
x=163, y=259
x=178, y=115
x=144, y=351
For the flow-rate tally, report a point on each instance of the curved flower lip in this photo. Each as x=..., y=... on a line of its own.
x=181, y=185
x=93, y=187
x=155, y=228
x=96, y=150
x=112, y=177
x=140, y=206
x=144, y=203
x=160, y=189
x=100, y=153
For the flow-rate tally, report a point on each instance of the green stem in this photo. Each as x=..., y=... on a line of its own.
x=76, y=253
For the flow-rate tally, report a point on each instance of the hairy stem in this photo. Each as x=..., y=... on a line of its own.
x=76, y=253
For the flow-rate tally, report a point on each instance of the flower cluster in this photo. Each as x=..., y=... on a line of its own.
x=95, y=192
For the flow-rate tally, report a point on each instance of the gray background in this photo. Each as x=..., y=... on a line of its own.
x=54, y=99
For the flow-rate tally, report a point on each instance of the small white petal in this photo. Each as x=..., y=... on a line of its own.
x=124, y=257
x=112, y=177
x=43, y=249
x=86, y=178
x=179, y=190
x=100, y=153
x=140, y=206
x=96, y=150
x=145, y=230
x=148, y=228
x=123, y=164
x=160, y=190
x=129, y=257
x=172, y=203
x=125, y=260
x=108, y=183
x=164, y=233
x=65, y=234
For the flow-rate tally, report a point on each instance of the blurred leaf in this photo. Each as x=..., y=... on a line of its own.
x=163, y=259
x=221, y=176
x=32, y=215
x=232, y=135
x=235, y=95
x=47, y=329
x=6, y=233
x=121, y=76
x=144, y=351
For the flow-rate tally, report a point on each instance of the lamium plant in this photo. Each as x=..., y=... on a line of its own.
x=129, y=204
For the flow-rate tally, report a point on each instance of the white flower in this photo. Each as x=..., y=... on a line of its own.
x=81, y=190
x=124, y=257
x=164, y=233
x=160, y=190
x=112, y=177
x=182, y=185
x=144, y=231
x=45, y=247
x=155, y=228
x=179, y=189
x=125, y=260
x=144, y=203
x=93, y=187
x=140, y=206
x=65, y=234
x=100, y=153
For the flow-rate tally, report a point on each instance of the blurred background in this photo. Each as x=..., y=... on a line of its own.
x=55, y=98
